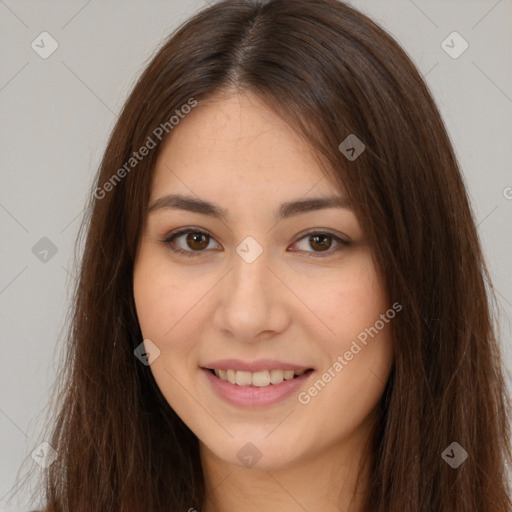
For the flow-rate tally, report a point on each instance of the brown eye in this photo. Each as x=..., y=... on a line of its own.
x=188, y=242
x=197, y=240
x=321, y=242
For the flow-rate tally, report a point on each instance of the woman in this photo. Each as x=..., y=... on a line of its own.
x=282, y=301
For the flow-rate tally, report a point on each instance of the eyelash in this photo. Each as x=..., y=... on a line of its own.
x=191, y=254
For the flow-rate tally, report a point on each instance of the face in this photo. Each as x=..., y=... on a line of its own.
x=252, y=288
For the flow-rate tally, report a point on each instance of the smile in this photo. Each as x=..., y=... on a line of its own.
x=257, y=379
x=256, y=389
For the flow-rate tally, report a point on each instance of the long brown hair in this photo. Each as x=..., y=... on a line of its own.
x=330, y=72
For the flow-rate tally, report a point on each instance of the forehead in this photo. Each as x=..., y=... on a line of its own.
x=237, y=141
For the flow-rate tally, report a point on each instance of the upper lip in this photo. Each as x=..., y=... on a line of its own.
x=253, y=366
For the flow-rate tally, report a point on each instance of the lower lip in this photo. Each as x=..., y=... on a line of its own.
x=253, y=396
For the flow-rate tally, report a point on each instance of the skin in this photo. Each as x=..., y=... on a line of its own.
x=289, y=304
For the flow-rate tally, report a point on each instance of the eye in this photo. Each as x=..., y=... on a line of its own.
x=197, y=241
x=322, y=241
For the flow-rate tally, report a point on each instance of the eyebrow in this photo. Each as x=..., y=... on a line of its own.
x=288, y=209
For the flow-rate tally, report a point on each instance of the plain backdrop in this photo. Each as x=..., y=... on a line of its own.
x=57, y=112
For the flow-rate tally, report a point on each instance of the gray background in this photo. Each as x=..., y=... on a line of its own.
x=57, y=114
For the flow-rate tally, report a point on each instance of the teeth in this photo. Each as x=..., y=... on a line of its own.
x=261, y=379
x=276, y=376
x=257, y=379
x=231, y=376
x=243, y=378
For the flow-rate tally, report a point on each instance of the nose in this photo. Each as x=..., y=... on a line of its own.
x=252, y=303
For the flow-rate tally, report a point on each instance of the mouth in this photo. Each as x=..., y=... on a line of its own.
x=255, y=390
x=260, y=379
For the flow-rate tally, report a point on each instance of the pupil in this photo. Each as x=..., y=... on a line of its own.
x=324, y=237
x=192, y=237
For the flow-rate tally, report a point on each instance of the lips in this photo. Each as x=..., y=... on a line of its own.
x=250, y=397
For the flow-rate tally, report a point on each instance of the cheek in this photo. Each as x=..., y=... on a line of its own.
x=170, y=307
x=356, y=367
x=148, y=298
x=350, y=302
x=353, y=305
x=162, y=303
x=160, y=298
